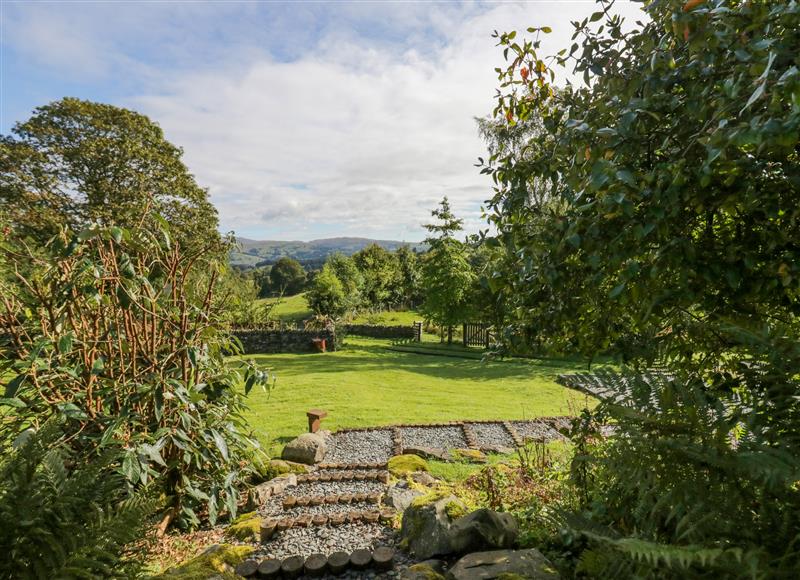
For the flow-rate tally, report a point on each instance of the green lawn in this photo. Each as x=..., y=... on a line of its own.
x=365, y=384
x=289, y=308
x=389, y=318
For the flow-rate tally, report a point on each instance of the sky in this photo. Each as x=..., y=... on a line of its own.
x=304, y=120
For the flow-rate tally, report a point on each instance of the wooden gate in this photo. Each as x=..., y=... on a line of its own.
x=476, y=334
x=418, y=331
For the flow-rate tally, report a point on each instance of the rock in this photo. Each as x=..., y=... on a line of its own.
x=483, y=529
x=468, y=455
x=428, y=453
x=401, y=465
x=280, y=466
x=503, y=564
x=436, y=565
x=308, y=448
x=245, y=528
x=497, y=449
x=420, y=572
x=219, y=558
x=400, y=497
x=426, y=525
x=423, y=478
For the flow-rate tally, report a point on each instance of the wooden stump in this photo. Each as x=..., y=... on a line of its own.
x=302, y=501
x=247, y=569
x=331, y=499
x=387, y=515
x=315, y=565
x=302, y=521
x=360, y=559
x=354, y=517
x=316, y=500
x=289, y=502
x=337, y=519
x=284, y=524
x=338, y=562
x=371, y=517
x=269, y=568
x=346, y=498
x=383, y=557
x=319, y=520
x=267, y=529
x=292, y=566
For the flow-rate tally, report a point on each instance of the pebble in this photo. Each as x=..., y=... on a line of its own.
x=326, y=540
x=450, y=437
x=492, y=435
x=536, y=430
x=374, y=446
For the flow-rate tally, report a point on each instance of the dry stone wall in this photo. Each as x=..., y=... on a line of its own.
x=276, y=341
x=377, y=331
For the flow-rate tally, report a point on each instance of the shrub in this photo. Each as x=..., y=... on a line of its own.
x=61, y=517
x=117, y=333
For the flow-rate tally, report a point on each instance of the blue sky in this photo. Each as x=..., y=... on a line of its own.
x=304, y=119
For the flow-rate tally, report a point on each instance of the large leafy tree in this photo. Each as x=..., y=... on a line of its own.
x=287, y=276
x=76, y=162
x=670, y=233
x=380, y=272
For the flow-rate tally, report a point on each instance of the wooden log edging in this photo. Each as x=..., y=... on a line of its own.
x=513, y=432
x=316, y=565
x=348, y=475
x=291, y=501
x=469, y=437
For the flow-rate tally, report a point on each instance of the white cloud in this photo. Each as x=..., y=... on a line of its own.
x=361, y=135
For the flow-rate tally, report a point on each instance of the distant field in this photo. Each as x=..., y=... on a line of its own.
x=389, y=318
x=366, y=384
x=289, y=308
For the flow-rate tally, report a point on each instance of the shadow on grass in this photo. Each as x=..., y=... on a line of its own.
x=378, y=358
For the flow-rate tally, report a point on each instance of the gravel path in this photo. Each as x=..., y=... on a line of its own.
x=536, y=430
x=328, y=487
x=326, y=540
x=492, y=434
x=450, y=437
x=373, y=446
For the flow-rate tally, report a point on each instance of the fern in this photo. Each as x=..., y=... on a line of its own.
x=62, y=519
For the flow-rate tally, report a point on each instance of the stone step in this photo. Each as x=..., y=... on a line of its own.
x=371, y=516
x=300, y=501
x=344, y=475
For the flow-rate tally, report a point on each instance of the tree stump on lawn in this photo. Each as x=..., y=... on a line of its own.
x=315, y=565
x=338, y=562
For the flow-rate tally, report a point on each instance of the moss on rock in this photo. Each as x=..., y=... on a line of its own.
x=219, y=560
x=455, y=510
x=423, y=571
x=431, y=497
x=245, y=528
x=404, y=464
x=510, y=576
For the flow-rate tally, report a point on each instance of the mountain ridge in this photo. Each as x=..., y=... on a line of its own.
x=255, y=253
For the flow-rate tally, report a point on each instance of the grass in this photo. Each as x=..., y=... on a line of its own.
x=289, y=308
x=365, y=384
x=389, y=318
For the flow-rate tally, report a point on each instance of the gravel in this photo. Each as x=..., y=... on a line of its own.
x=536, y=430
x=450, y=437
x=329, y=487
x=326, y=540
x=492, y=434
x=374, y=446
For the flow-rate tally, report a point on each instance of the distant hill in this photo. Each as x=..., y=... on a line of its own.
x=253, y=253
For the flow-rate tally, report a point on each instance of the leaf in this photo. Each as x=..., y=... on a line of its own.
x=13, y=385
x=221, y=444
x=617, y=290
x=72, y=411
x=755, y=96
x=116, y=234
x=12, y=402
x=546, y=29
x=98, y=366
x=596, y=16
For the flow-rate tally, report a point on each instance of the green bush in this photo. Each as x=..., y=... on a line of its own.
x=62, y=517
x=118, y=333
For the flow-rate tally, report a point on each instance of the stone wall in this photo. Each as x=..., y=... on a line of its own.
x=376, y=331
x=262, y=341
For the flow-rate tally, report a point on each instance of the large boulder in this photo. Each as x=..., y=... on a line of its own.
x=483, y=529
x=426, y=525
x=528, y=564
x=308, y=448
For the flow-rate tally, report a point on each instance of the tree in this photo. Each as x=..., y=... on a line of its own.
x=327, y=296
x=287, y=276
x=407, y=288
x=446, y=273
x=672, y=239
x=351, y=278
x=379, y=271
x=76, y=162
x=448, y=223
